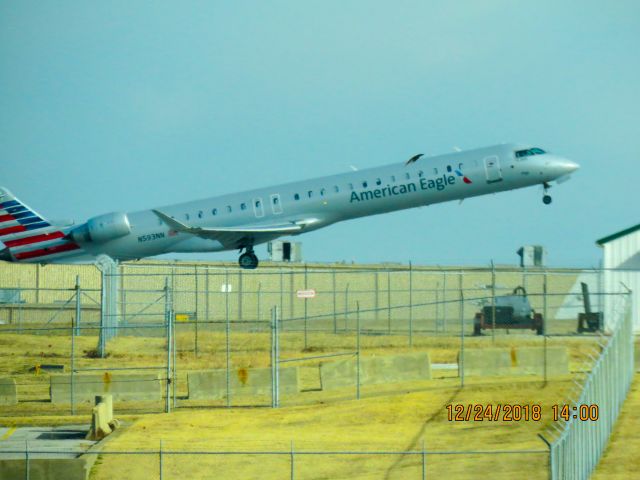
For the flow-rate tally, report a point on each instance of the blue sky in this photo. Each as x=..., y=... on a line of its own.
x=128, y=105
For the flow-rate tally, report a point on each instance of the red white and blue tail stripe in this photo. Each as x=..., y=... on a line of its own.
x=26, y=236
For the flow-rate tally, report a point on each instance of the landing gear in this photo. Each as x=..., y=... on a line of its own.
x=546, y=198
x=248, y=259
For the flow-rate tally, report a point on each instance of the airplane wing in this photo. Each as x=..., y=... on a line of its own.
x=239, y=235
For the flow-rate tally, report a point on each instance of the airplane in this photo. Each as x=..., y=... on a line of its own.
x=243, y=220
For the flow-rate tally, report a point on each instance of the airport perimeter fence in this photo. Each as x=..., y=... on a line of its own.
x=579, y=444
x=304, y=464
x=149, y=321
x=289, y=355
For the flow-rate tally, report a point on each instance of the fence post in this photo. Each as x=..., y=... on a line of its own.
x=358, y=351
x=26, y=459
x=277, y=353
x=461, y=359
x=346, y=307
x=410, y=304
x=227, y=333
x=197, y=312
x=544, y=299
x=259, y=301
x=73, y=355
x=174, y=348
x=167, y=317
x=424, y=461
x=275, y=378
x=335, y=314
x=544, y=323
x=444, y=301
x=76, y=330
x=292, y=463
x=388, y=302
x=281, y=292
x=305, y=306
x=493, y=302
x=160, y=458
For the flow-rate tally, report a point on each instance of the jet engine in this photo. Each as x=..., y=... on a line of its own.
x=102, y=228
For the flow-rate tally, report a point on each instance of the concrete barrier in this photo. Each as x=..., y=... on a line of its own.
x=376, y=370
x=47, y=468
x=123, y=386
x=8, y=391
x=212, y=384
x=489, y=362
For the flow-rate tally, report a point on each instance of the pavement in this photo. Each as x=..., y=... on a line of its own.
x=67, y=441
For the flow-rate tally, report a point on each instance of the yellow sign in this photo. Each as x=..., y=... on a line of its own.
x=182, y=317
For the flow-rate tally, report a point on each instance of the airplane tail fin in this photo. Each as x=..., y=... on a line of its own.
x=27, y=235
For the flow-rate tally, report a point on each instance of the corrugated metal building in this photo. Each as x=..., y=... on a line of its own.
x=622, y=271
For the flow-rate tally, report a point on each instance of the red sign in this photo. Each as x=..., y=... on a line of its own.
x=306, y=293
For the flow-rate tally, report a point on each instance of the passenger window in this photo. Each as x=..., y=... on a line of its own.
x=275, y=201
x=460, y=166
x=214, y=211
x=322, y=190
x=257, y=203
x=407, y=175
x=186, y=215
x=351, y=186
x=200, y=214
x=229, y=208
x=310, y=193
x=296, y=197
x=378, y=181
x=393, y=178
x=364, y=184
x=420, y=173
x=243, y=206
x=435, y=171
x=336, y=188
x=449, y=168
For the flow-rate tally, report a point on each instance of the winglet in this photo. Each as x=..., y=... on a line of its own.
x=414, y=158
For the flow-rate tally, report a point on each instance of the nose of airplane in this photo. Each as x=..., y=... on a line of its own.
x=568, y=166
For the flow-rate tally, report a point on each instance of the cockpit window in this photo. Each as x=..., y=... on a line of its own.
x=529, y=152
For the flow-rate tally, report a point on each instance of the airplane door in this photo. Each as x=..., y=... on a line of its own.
x=258, y=208
x=492, y=169
x=276, y=205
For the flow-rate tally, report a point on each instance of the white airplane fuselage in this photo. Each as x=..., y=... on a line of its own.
x=242, y=220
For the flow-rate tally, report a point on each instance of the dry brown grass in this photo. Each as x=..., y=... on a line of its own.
x=389, y=417
x=391, y=421
x=620, y=460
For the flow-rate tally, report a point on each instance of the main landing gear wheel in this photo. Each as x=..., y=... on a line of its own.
x=546, y=199
x=248, y=260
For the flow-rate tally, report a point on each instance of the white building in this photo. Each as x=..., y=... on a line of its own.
x=621, y=272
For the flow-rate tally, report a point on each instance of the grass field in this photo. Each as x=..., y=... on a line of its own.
x=391, y=418
x=620, y=460
x=390, y=421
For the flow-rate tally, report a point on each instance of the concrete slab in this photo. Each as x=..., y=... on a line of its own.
x=376, y=370
x=123, y=386
x=8, y=391
x=212, y=384
x=68, y=463
x=488, y=362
